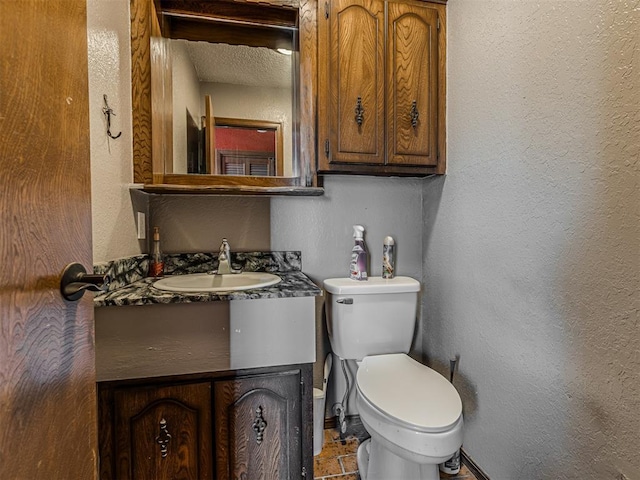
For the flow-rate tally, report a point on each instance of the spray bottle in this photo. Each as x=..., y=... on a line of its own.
x=359, y=255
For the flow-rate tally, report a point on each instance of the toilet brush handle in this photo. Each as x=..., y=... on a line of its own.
x=452, y=368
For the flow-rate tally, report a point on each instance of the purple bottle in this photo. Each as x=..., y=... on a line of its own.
x=359, y=255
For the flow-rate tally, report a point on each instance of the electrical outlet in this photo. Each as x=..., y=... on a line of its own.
x=142, y=226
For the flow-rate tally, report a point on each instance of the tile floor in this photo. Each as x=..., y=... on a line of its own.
x=337, y=461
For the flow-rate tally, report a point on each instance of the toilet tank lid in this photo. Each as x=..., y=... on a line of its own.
x=372, y=285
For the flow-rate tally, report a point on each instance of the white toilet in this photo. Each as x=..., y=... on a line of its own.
x=413, y=414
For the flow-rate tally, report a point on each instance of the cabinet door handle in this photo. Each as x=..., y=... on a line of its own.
x=359, y=112
x=259, y=425
x=163, y=439
x=414, y=114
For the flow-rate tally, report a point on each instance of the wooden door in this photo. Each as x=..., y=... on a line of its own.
x=47, y=368
x=258, y=422
x=162, y=433
x=356, y=81
x=412, y=85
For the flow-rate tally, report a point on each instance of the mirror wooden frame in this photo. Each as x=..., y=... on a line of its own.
x=149, y=169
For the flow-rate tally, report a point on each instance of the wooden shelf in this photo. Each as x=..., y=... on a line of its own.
x=235, y=190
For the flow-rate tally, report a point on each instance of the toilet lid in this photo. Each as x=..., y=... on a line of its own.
x=409, y=391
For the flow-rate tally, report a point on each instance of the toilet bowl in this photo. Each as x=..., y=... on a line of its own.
x=413, y=414
x=414, y=417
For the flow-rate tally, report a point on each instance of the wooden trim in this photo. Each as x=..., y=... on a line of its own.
x=141, y=89
x=254, y=191
x=385, y=170
x=307, y=91
x=231, y=11
x=442, y=89
x=210, y=133
x=228, y=180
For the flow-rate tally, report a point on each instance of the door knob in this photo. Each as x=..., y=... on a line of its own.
x=75, y=281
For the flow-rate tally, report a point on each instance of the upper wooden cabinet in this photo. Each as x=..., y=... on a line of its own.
x=381, y=98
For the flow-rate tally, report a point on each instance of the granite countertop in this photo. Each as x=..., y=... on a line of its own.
x=129, y=285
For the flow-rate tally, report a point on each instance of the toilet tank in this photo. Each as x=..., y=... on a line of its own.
x=371, y=317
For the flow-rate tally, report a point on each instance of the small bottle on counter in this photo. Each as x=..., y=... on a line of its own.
x=156, y=265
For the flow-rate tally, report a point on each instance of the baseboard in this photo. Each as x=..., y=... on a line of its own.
x=473, y=466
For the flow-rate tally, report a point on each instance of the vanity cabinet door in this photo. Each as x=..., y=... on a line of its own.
x=258, y=422
x=163, y=432
x=381, y=87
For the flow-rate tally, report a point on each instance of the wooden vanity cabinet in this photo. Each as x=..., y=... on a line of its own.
x=381, y=87
x=255, y=424
x=258, y=430
x=163, y=432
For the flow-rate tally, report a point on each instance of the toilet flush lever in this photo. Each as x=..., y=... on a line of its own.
x=345, y=301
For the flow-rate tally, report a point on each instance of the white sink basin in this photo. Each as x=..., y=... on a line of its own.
x=204, y=282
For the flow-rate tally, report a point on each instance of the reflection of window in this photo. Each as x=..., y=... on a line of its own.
x=238, y=162
x=248, y=147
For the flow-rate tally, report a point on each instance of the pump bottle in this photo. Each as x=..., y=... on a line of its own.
x=156, y=266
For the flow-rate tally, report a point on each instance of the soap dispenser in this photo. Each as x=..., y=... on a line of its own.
x=156, y=264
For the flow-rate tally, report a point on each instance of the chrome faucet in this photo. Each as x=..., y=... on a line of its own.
x=224, y=260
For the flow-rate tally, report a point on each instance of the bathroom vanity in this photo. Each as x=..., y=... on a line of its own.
x=206, y=385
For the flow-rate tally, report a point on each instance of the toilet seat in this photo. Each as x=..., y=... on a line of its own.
x=409, y=392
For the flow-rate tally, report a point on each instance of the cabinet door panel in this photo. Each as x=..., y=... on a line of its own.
x=164, y=432
x=258, y=427
x=413, y=84
x=356, y=74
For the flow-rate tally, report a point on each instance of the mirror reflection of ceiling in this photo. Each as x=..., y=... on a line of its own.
x=239, y=64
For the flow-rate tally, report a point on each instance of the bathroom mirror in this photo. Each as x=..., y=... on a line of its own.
x=248, y=91
x=203, y=72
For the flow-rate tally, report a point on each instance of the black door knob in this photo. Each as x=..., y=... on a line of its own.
x=75, y=281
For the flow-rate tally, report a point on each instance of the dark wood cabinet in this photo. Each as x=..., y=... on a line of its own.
x=255, y=425
x=258, y=431
x=162, y=432
x=382, y=86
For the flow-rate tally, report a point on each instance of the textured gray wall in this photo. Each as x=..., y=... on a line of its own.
x=532, y=240
x=321, y=227
x=198, y=223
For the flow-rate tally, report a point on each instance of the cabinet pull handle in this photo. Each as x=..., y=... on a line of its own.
x=414, y=114
x=359, y=112
x=259, y=425
x=163, y=438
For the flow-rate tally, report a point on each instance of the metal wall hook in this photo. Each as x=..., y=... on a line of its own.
x=75, y=281
x=108, y=111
